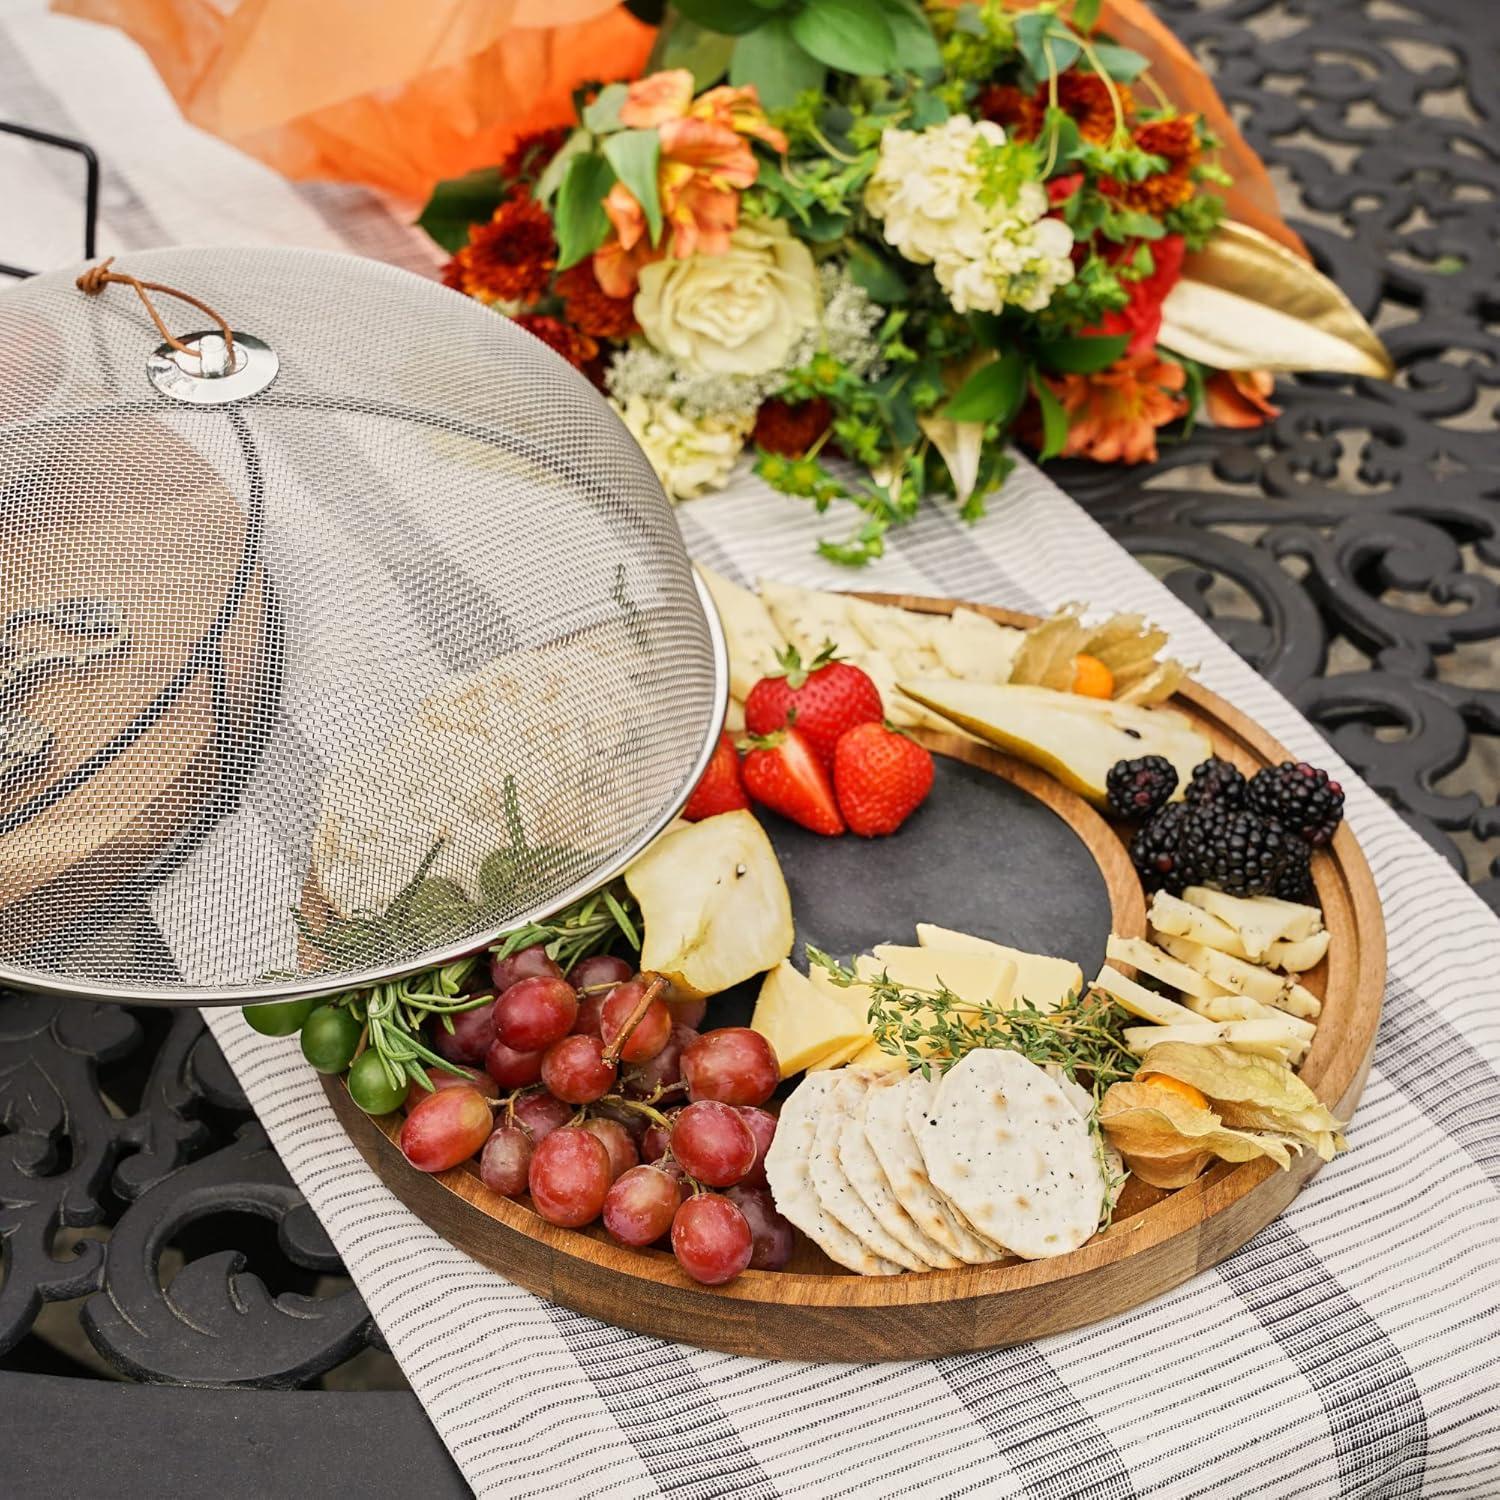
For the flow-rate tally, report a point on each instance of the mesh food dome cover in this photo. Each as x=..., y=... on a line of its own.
x=325, y=653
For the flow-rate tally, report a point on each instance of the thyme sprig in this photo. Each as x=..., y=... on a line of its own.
x=932, y=1029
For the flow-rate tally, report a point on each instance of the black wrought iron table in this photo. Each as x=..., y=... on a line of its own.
x=1351, y=552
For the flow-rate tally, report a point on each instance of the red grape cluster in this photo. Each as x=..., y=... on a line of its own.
x=596, y=1094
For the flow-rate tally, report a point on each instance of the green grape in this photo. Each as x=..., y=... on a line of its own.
x=370, y=1088
x=329, y=1036
x=278, y=1017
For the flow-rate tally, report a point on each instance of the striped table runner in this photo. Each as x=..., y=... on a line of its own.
x=1350, y=1350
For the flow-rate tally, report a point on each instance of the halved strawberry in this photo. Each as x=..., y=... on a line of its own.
x=782, y=771
x=824, y=700
x=881, y=778
x=720, y=788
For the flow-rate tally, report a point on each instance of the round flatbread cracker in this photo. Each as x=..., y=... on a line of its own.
x=896, y=1150
x=792, y=1190
x=1009, y=1151
x=831, y=1183
x=1083, y=1101
x=921, y=1110
x=867, y=1178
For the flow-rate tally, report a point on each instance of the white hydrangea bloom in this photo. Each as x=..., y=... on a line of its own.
x=846, y=330
x=691, y=454
x=927, y=189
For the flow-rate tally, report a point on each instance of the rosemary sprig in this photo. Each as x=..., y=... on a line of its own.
x=598, y=923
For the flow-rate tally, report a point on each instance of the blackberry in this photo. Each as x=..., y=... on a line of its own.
x=1299, y=797
x=1295, y=881
x=1215, y=780
x=1138, y=788
x=1155, y=851
x=1234, y=850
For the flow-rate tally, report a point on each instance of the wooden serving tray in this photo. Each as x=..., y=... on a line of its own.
x=813, y=1309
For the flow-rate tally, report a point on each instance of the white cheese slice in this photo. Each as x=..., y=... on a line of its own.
x=1140, y=1001
x=1259, y=920
x=753, y=640
x=973, y=648
x=1178, y=918
x=1243, y=1008
x=1265, y=1038
x=1302, y=955
x=1149, y=959
x=1228, y=972
x=1045, y=981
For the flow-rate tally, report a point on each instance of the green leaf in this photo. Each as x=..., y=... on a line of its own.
x=927, y=108
x=992, y=393
x=1082, y=355
x=846, y=34
x=877, y=275
x=548, y=183
x=1054, y=418
x=603, y=113
x=916, y=47
x=634, y=155
x=704, y=53
x=459, y=202
x=1037, y=33
x=1060, y=123
x=1085, y=14
x=1131, y=225
x=733, y=17
x=775, y=63
x=1120, y=63
x=580, y=218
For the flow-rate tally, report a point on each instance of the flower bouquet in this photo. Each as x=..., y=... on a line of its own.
x=876, y=244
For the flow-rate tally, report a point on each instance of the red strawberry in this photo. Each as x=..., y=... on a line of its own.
x=782, y=771
x=720, y=789
x=822, y=700
x=881, y=778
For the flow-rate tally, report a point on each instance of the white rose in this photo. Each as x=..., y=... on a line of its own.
x=690, y=454
x=739, y=313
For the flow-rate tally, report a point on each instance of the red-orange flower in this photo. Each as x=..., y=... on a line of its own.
x=531, y=151
x=1240, y=398
x=590, y=309
x=1141, y=316
x=1019, y=113
x=1084, y=97
x=1176, y=140
x=1113, y=415
x=508, y=259
x=575, y=347
x=790, y=428
x=706, y=162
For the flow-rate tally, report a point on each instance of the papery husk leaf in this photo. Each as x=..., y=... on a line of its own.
x=1246, y=303
x=1046, y=655
x=1156, y=686
x=960, y=445
x=1251, y=1092
x=1123, y=641
x=1167, y=1140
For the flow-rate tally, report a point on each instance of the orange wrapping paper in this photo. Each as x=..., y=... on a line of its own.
x=396, y=94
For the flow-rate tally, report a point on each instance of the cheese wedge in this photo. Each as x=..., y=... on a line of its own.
x=1243, y=1008
x=840, y=1055
x=1259, y=920
x=1298, y=1000
x=1178, y=918
x=1298, y=957
x=753, y=640
x=973, y=648
x=1149, y=959
x=809, y=619
x=981, y=978
x=1046, y=982
x=1228, y=972
x=1140, y=1001
x=877, y=1059
x=802, y=1023
x=1266, y=1038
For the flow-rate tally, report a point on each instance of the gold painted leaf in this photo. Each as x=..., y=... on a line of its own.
x=1246, y=303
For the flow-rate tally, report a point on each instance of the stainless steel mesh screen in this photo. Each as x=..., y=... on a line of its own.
x=337, y=680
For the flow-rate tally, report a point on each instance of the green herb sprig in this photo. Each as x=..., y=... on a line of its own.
x=598, y=923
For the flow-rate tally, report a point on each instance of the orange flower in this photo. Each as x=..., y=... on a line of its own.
x=1085, y=98
x=790, y=428
x=1240, y=398
x=1113, y=415
x=1175, y=139
x=590, y=309
x=706, y=161
x=509, y=259
x=1019, y=113
x=575, y=347
x=657, y=97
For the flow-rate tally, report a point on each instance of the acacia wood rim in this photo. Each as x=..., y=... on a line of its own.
x=789, y=1314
